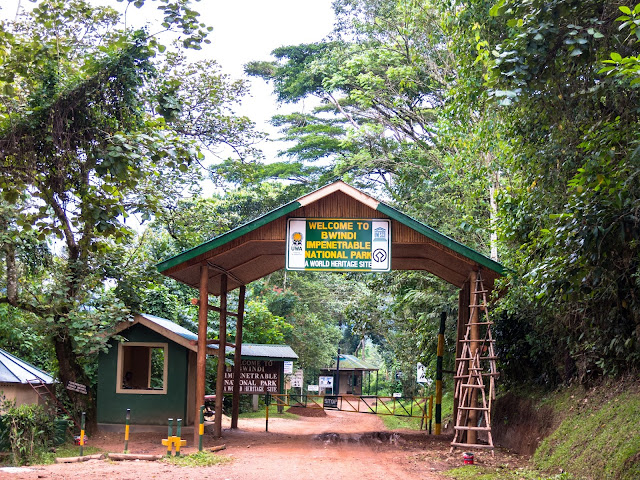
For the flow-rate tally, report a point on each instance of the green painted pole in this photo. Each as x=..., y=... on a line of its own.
x=127, y=420
x=201, y=431
x=440, y=353
x=169, y=435
x=178, y=432
x=82, y=433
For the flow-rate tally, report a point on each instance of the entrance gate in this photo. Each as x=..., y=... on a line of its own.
x=259, y=248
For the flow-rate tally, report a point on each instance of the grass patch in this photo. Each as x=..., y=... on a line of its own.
x=198, y=459
x=477, y=472
x=596, y=441
x=273, y=413
x=393, y=422
x=396, y=423
x=47, y=457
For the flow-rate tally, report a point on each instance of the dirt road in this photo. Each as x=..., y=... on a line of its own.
x=338, y=446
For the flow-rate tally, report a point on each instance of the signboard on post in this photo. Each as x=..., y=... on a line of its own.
x=339, y=245
x=325, y=382
x=421, y=374
x=288, y=367
x=313, y=388
x=296, y=379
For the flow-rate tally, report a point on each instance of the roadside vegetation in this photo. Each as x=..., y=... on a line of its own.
x=198, y=459
x=509, y=125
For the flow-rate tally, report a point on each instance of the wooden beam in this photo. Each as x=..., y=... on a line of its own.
x=213, y=308
x=217, y=426
x=235, y=408
x=212, y=341
x=201, y=356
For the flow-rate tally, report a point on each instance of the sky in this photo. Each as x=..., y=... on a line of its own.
x=246, y=30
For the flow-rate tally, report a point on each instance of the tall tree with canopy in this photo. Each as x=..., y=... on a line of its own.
x=92, y=134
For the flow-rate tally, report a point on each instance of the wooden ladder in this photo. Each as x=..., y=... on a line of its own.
x=50, y=400
x=472, y=368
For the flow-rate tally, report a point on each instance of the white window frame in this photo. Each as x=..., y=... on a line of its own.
x=165, y=371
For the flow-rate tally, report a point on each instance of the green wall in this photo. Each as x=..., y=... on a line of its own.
x=151, y=409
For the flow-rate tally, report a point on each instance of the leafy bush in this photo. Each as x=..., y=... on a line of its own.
x=28, y=429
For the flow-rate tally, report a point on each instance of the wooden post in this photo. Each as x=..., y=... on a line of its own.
x=463, y=319
x=472, y=435
x=201, y=356
x=439, y=358
x=235, y=409
x=217, y=426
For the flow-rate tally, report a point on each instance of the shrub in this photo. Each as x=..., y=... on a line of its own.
x=28, y=430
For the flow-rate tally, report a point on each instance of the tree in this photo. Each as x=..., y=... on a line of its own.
x=81, y=151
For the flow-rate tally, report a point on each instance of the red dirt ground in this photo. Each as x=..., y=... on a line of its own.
x=339, y=445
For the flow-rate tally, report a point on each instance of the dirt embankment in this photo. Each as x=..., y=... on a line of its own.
x=519, y=424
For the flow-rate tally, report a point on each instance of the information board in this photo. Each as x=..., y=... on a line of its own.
x=288, y=367
x=296, y=379
x=256, y=376
x=340, y=245
x=325, y=382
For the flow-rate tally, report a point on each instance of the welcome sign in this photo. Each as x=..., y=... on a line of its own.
x=339, y=245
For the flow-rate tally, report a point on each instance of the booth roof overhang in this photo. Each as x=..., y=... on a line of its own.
x=257, y=248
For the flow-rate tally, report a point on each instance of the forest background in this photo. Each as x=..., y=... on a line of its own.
x=511, y=126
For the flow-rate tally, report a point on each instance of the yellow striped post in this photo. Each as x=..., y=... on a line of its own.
x=201, y=429
x=127, y=419
x=82, y=433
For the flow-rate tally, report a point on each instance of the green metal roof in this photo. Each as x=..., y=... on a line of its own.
x=253, y=263
x=351, y=362
x=228, y=237
x=258, y=351
x=442, y=239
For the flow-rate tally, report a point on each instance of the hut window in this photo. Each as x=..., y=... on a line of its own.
x=142, y=368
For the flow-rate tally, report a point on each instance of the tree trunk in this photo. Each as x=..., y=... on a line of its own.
x=71, y=371
x=12, y=274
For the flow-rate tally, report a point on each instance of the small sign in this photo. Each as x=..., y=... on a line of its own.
x=339, y=245
x=330, y=401
x=421, y=373
x=288, y=367
x=313, y=388
x=397, y=395
x=296, y=379
x=77, y=387
x=326, y=382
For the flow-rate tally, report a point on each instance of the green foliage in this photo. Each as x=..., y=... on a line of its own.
x=478, y=472
x=29, y=430
x=198, y=459
x=597, y=440
x=98, y=123
x=262, y=326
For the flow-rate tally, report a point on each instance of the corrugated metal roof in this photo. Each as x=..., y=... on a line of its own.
x=255, y=350
x=172, y=326
x=14, y=370
x=351, y=362
x=282, y=352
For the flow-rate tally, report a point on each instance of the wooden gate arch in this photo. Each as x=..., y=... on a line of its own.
x=258, y=248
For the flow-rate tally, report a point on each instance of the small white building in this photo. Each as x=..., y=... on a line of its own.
x=18, y=379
